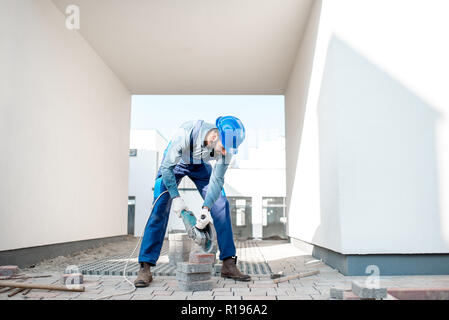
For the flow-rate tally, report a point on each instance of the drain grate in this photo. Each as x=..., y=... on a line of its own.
x=250, y=261
x=114, y=267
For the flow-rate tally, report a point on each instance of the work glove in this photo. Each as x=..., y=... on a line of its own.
x=204, y=219
x=178, y=205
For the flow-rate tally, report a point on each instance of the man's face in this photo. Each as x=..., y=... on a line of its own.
x=213, y=141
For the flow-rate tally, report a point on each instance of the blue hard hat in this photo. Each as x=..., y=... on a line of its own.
x=232, y=133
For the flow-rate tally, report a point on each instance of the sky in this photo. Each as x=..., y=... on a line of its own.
x=263, y=116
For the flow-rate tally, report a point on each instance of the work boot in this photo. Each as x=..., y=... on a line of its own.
x=144, y=277
x=230, y=270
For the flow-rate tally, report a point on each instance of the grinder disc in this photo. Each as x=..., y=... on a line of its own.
x=209, y=232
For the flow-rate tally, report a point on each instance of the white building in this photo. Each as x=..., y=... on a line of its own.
x=367, y=109
x=146, y=152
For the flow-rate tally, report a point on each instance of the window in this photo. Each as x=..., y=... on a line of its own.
x=240, y=212
x=241, y=215
x=273, y=215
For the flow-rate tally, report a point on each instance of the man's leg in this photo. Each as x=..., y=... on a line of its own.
x=156, y=226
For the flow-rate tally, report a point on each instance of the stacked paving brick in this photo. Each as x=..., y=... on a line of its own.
x=195, y=275
x=179, y=248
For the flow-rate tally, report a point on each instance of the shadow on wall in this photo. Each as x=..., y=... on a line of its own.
x=378, y=160
x=296, y=98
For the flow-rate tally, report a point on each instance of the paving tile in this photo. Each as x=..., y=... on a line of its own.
x=202, y=293
x=200, y=297
x=294, y=297
x=253, y=293
x=121, y=297
x=180, y=295
x=65, y=295
x=280, y=292
x=227, y=298
x=306, y=290
x=156, y=288
x=144, y=291
x=42, y=294
x=285, y=285
x=241, y=290
x=162, y=293
x=95, y=291
x=236, y=285
x=320, y=296
x=250, y=297
x=263, y=285
x=142, y=297
x=86, y=297
x=175, y=297
x=223, y=293
x=269, y=291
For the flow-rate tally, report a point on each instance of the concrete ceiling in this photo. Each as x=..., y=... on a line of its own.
x=196, y=46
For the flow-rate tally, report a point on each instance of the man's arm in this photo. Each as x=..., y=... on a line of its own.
x=171, y=159
x=216, y=182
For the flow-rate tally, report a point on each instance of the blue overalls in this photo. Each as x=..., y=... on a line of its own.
x=156, y=226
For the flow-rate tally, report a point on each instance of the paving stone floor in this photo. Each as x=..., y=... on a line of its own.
x=281, y=256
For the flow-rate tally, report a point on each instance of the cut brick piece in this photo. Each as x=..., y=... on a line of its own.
x=196, y=286
x=202, y=258
x=364, y=292
x=72, y=278
x=194, y=267
x=418, y=294
x=8, y=271
x=191, y=277
x=338, y=293
x=349, y=295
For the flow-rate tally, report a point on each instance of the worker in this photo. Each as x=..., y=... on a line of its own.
x=194, y=144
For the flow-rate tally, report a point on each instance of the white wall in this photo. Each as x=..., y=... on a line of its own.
x=148, y=140
x=375, y=140
x=64, y=133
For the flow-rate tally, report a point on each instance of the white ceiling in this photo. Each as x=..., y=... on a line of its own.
x=196, y=46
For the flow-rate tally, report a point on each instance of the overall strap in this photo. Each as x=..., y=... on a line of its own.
x=193, y=137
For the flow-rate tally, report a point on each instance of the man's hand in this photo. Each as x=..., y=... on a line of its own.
x=178, y=205
x=205, y=218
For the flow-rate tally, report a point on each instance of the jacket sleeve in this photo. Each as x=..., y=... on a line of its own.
x=216, y=182
x=171, y=159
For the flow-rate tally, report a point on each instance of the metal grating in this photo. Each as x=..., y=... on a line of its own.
x=250, y=261
x=114, y=267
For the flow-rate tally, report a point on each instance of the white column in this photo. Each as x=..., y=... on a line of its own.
x=257, y=218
